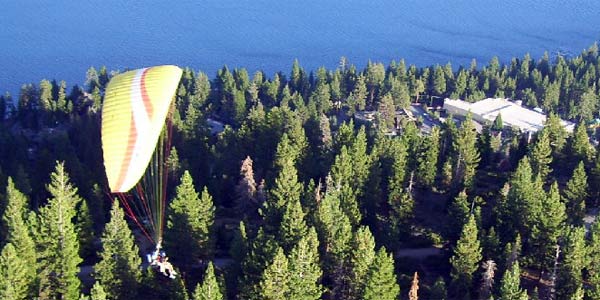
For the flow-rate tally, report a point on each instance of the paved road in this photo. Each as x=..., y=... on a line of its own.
x=420, y=253
x=428, y=121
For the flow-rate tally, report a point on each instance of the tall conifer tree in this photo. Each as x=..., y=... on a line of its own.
x=189, y=227
x=293, y=226
x=557, y=133
x=381, y=280
x=510, y=287
x=361, y=259
x=541, y=156
x=428, y=158
x=468, y=156
x=343, y=177
x=15, y=283
x=18, y=234
x=119, y=267
x=547, y=229
x=85, y=229
x=209, y=288
x=304, y=269
x=275, y=280
x=594, y=261
x=458, y=212
x=97, y=292
x=581, y=149
x=260, y=254
x=286, y=185
x=466, y=258
x=524, y=197
x=57, y=240
x=570, y=277
x=575, y=195
x=334, y=230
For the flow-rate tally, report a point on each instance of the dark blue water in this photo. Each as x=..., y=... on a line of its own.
x=62, y=39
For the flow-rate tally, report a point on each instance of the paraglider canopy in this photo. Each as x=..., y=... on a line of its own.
x=136, y=104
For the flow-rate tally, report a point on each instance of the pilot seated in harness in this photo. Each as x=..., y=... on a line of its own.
x=159, y=259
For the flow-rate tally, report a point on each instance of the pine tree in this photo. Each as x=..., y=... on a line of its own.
x=238, y=250
x=118, y=269
x=510, y=286
x=458, y=212
x=575, y=195
x=18, y=234
x=359, y=95
x=173, y=164
x=321, y=96
x=428, y=158
x=491, y=245
x=374, y=190
x=260, y=254
x=361, y=163
x=275, y=280
x=498, y=123
x=381, y=280
x=58, y=248
x=548, y=229
x=344, y=137
x=524, y=199
x=209, y=288
x=557, y=133
x=46, y=100
x=484, y=144
x=570, y=278
x=293, y=226
x=387, y=112
x=85, y=230
x=361, y=259
x=14, y=280
x=304, y=269
x=593, y=249
x=399, y=199
x=467, y=154
x=447, y=173
x=466, y=258
x=334, y=230
x=439, y=81
x=343, y=175
x=418, y=87
x=581, y=149
x=97, y=292
x=61, y=102
x=190, y=221
x=286, y=184
x=541, y=156
x=593, y=178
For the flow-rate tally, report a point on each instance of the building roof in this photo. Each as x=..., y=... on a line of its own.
x=513, y=114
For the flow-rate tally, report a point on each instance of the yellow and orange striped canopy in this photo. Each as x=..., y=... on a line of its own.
x=136, y=104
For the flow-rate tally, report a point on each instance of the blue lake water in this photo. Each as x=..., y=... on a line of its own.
x=62, y=39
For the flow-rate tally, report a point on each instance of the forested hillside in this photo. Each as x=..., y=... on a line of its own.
x=296, y=199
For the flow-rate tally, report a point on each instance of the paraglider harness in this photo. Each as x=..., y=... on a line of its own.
x=159, y=260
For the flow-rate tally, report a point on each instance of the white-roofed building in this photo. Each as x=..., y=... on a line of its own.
x=513, y=114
